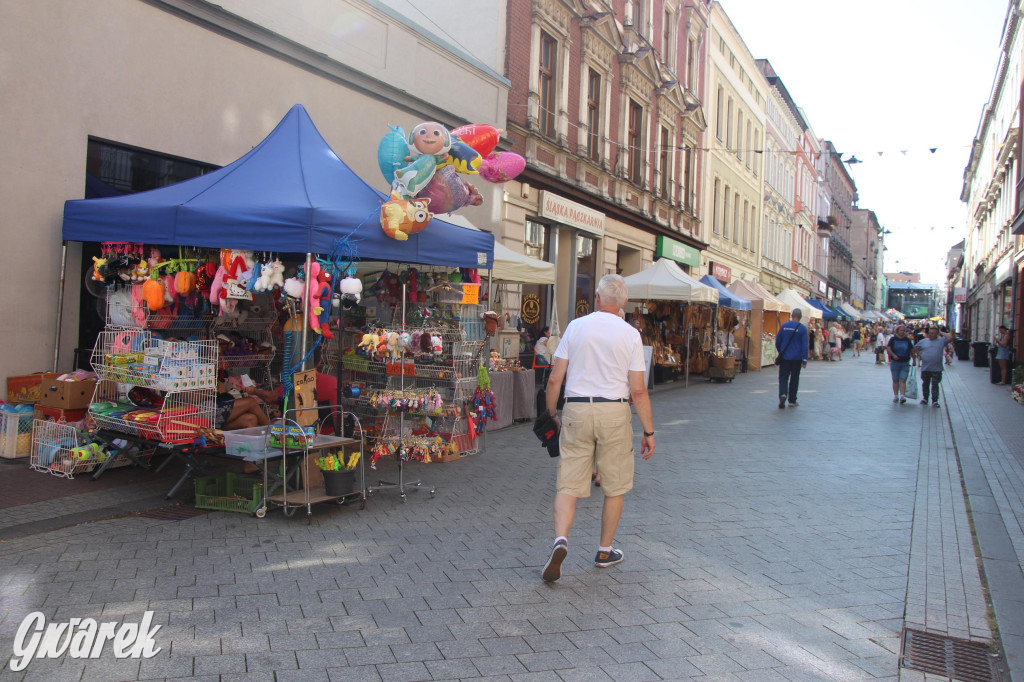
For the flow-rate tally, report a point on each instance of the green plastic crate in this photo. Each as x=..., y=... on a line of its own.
x=229, y=492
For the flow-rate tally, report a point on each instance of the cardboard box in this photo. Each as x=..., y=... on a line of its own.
x=68, y=395
x=55, y=414
x=25, y=389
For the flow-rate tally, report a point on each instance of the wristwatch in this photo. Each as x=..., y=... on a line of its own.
x=648, y=433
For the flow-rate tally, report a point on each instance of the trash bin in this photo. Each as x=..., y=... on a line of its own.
x=995, y=375
x=980, y=353
x=962, y=348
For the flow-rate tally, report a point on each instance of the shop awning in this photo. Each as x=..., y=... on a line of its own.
x=509, y=265
x=291, y=194
x=794, y=299
x=826, y=312
x=850, y=311
x=665, y=281
x=725, y=297
x=754, y=291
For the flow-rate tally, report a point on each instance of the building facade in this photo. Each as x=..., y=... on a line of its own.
x=866, y=245
x=842, y=192
x=605, y=106
x=990, y=192
x=733, y=182
x=195, y=85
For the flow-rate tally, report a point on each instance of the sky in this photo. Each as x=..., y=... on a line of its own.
x=889, y=76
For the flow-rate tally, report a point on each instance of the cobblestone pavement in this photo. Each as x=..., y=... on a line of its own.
x=760, y=544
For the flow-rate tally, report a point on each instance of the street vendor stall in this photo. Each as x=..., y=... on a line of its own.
x=675, y=316
x=290, y=194
x=733, y=322
x=767, y=314
x=826, y=312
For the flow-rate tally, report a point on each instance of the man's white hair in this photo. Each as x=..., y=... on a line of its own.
x=613, y=289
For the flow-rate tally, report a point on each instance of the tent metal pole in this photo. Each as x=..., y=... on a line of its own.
x=60, y=304
x=305, y=311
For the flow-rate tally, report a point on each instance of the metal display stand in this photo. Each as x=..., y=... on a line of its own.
x=295, y=468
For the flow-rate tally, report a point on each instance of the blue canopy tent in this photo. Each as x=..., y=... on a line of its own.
x=291, y=193
x=725, y=297
x=826, y=312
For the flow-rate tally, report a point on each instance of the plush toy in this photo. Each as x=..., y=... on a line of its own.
x=490, y=322
x=294, y=288
x=435, y=344
x=393, y=345
x=217, y=292
x=141, y=272
x=351, y=292
x=271, y=275
x=382, y=346
x=313, y=306
x=368, y=344
x=153, y=293
x=205, y=275
x=403, y=343
x=170, y=292
x=320, y=301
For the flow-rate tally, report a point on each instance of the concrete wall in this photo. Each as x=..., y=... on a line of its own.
x=196, y=81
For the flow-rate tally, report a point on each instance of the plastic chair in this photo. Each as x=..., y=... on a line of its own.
x=534, y=364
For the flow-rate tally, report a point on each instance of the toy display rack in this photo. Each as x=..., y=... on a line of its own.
x=256, y=328
x=62, y=450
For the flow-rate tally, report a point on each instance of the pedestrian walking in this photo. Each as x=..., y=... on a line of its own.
x=856, y=341
x=601, y=360
x=1003, y=354
x=930, y=351
x=881, y=341
x=819, y=342
x=899, y=349
x=836, y=340
x=791, y=342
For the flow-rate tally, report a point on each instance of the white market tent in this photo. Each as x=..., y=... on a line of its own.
x=665, y=281
x=851, y=311
x=754, y=291
x=794, y=299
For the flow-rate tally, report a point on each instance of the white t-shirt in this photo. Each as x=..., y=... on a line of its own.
x=881, y=340
x=601, y=349
x=541, y=346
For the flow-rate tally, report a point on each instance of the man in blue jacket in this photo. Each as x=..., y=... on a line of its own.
x=791, y=342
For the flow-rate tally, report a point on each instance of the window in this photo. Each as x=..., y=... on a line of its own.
x=536, y=240
x=691, y=64
x=129, y=169
x=757, y=146
x=546, y=84
x=666, y=36
x=748, y=144
x=746, y=224
x=728, y=126
x=594, y=116
x=719, y=113
x=736, y=219
x=725, y=213
x=664, y=159
x=634, y=138
x=687, y=189
x=586, y=275
x=739, y=127
x=753, y=229
x=714, y=208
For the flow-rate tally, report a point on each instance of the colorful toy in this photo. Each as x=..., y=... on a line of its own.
x=401, y=217
x=271, y=275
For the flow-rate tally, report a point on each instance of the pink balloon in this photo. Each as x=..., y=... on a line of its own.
x=502, y=166
x=447, y=191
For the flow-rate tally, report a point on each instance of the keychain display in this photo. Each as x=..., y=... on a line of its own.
x=426, y=402
x=415, y=448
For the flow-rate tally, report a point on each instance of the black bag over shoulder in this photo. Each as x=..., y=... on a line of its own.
x=546, y=431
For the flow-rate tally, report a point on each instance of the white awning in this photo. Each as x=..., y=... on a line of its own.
x=665, y=281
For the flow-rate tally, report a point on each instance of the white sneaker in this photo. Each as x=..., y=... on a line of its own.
x=895, y=398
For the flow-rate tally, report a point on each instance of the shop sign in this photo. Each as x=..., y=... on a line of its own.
x=570, y=213
x=1003, y=269
x=722, y=273
x=960, y=295
x=677, y=251
x=821, y=287
x=530, y=310
x=582, y=307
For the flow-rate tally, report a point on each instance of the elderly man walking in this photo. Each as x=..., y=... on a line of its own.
x=601, y=359
x=791, y=343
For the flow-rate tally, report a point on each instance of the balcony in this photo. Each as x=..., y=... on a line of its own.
x=825, y=227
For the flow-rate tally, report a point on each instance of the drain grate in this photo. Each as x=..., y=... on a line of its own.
x=173, y=512
x=957, y=659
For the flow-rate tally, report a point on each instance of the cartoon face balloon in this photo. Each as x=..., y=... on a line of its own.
x=430, y=138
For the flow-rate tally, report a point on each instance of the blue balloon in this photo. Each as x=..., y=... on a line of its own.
x=391, y=153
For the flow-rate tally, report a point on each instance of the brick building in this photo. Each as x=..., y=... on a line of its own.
x=606, y=107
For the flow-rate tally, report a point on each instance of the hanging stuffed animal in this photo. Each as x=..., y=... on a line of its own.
x=271, y=275
x=351, y=292
x=435, y=344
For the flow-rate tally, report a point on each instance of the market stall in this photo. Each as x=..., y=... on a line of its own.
x=851, y=312
x=675, y=316
x=733, y=322
x=826, y=312
x=767, y=314
x=290, y=194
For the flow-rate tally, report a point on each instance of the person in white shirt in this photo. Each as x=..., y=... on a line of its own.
x=600, y=357
x=881, y=341
x=541, y=347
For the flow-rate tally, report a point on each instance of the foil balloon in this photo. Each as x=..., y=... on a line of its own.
x=401, y=217
x=481, y=137
x=448, y=192
x=502, y=166
x=391, y=153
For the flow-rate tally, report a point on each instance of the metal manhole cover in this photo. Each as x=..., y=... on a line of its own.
x=173, y=512
x=957, y=659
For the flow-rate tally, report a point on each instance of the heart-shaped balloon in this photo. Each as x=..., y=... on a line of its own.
x=480, y=136
x=502, y=166
x=446, y=190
